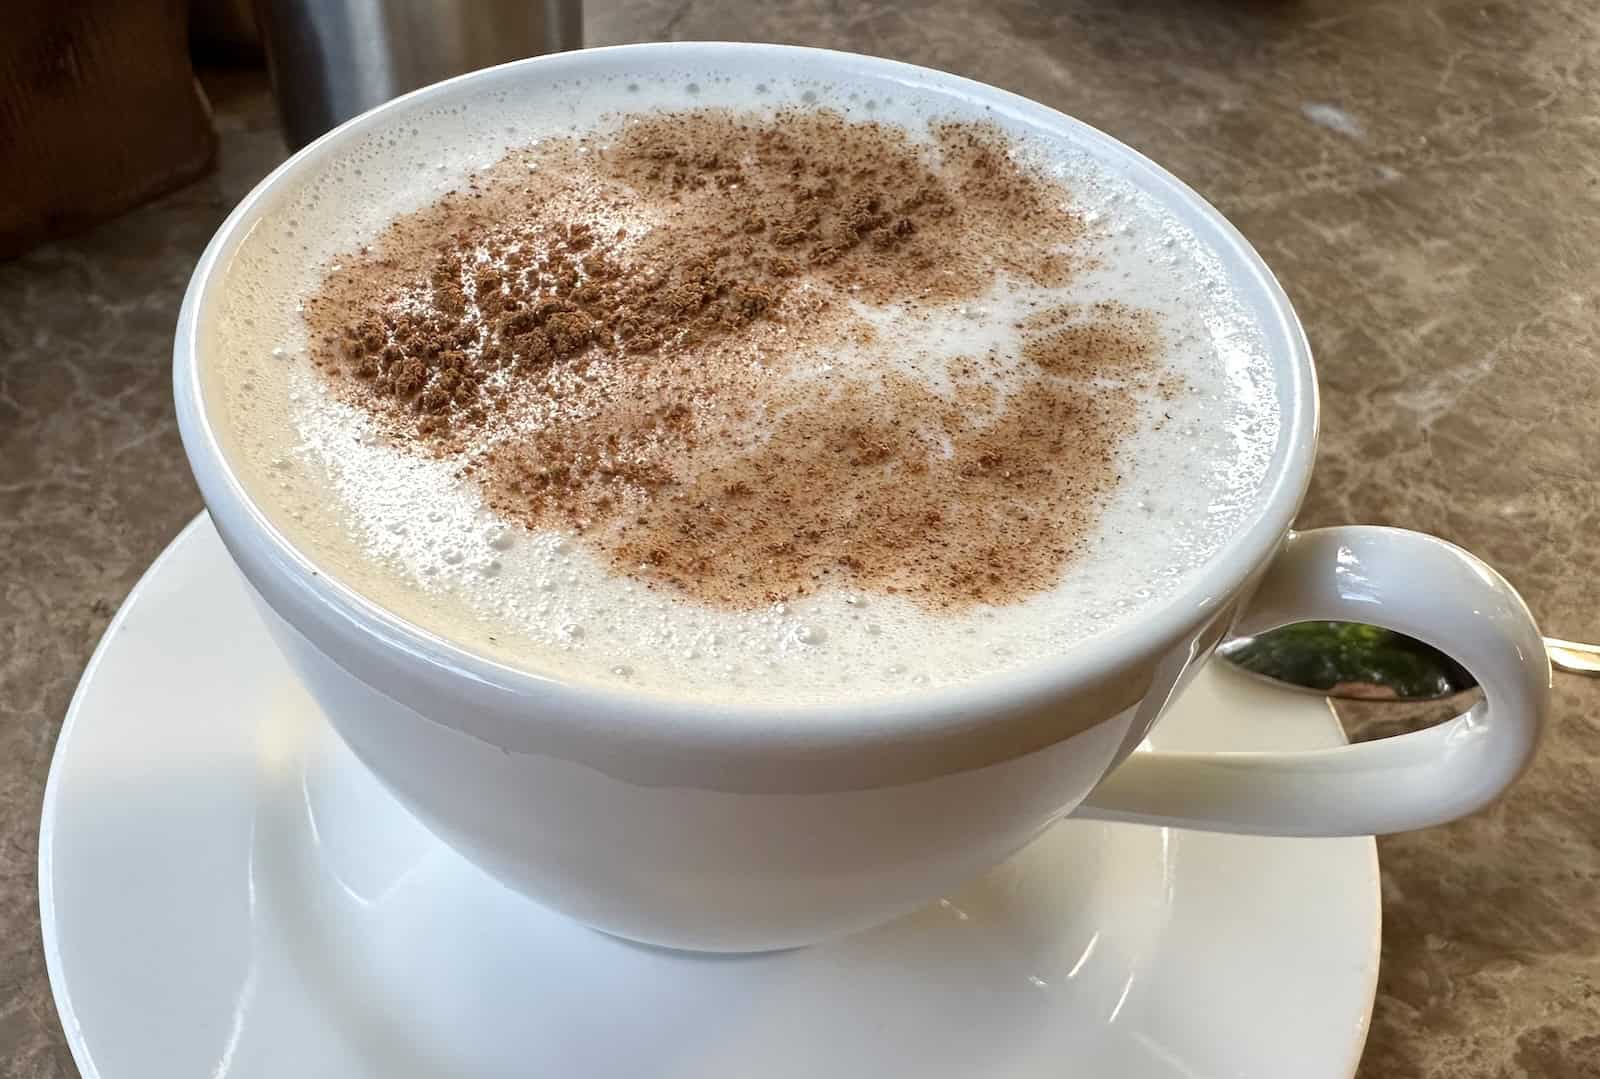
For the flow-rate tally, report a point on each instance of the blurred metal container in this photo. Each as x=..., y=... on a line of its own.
x=334, y=59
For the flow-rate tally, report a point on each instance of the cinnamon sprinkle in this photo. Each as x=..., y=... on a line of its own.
x=655, y=337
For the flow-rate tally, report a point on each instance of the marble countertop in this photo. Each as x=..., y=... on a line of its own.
x=1423, y=176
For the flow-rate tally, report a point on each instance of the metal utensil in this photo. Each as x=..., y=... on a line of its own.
x=334, y=59
x=1352, y=660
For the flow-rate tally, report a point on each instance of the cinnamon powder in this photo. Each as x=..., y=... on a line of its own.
x=656, y=338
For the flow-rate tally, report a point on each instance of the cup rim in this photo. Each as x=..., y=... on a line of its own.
x=379, y=637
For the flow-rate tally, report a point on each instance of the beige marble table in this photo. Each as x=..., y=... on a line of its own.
x=1424, y=175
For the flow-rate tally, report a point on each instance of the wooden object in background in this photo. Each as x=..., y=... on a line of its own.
x=99, y=111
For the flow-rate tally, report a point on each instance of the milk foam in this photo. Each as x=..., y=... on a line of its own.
x=404, y=530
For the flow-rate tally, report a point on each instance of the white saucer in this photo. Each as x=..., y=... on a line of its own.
x=226, y=892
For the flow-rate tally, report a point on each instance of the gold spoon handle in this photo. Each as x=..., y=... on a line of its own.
x=1572, y=657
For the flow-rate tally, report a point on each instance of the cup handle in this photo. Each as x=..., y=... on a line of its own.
x=1404, y=581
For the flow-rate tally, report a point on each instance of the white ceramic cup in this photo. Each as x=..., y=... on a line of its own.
x=745, y=827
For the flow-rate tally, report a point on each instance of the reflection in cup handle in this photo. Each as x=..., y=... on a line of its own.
x=1404, y=581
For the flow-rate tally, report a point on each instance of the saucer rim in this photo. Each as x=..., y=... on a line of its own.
x=61, y=994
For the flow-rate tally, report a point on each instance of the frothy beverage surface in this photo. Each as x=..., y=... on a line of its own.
x=740, y=389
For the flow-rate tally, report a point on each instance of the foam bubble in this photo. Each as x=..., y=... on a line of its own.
x=406, y=531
